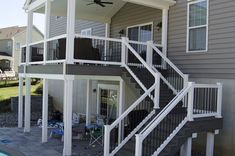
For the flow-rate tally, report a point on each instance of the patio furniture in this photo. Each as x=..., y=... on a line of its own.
x=96, y=132
x=58, y=131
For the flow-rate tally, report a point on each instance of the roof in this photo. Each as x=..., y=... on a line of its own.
x=9, y=32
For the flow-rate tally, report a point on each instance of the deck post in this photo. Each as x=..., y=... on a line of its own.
x=219, y=100
x=121, y=108
x=107, y=35
x=71, y=9
x=164, y=33
x=27, y=116
x=138, y=145
x=47, y=28
x=88, y=102
x=124, y=55
x=157, y=91
x=68, y=102
x=45, y=111
x=149, y=54
x=29, y=35
x=190, y=102
x=20, y=102
x=186, y=148
x=210, y=144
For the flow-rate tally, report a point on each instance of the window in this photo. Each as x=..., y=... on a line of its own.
x=17, y=46
x=86, y=32
x=197, y=31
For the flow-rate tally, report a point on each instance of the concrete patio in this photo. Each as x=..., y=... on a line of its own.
x=30, y=144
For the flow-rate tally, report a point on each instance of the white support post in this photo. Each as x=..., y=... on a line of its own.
x=88, y=102
x=186, y=148
x=68, y=103
x=27, y=105
x=29, y=35
x=165, y=13
x=47, y=28
x=107, y=35
x=190, y=102
x=70, y=31
x=164, y=30
x=138, y=145
x=121, y=108
x=186, y=79
x=106, y=140
x=149, y=54
x=210, y=144
x=20, y=103
x=124, y=51
x=219, y=100
x=157, y=91
x=45, y=111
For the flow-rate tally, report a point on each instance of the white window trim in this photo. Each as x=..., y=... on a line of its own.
x=139, y=25
x=86, y=30
x=190, y=2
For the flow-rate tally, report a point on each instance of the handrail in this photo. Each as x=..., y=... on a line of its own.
x=140, y=58
x=98, y=38
x=164, y=112
x=56, y=37
x=133, y=106
x=167, y=60
x=35, y=43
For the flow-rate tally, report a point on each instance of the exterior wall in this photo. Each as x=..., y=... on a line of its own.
x=4, y=48
x=225, y=141
x=56, y=88
x=219, y=61
x=58, y=26
x=132, y=14
x=21, y=38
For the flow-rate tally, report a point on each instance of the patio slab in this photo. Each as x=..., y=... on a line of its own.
x=30, y=144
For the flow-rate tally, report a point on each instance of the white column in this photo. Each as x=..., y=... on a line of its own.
x=88, y=102
x=186, y=149
x=68, y=102
x=149, y=54
x=219, y=100
x=27, y=116
x=124, y=55
x=210, y=144
x=164, y=30
x=121, y=108
x=45, y=111
x=157, y=91
x=29, y=35
x=20, y=103
x=70, y=31
x=107, y=35
x=47, y=28
x=190, y=102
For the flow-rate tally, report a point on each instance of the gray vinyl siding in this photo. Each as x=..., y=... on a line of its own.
x=219, y=60
x=132, y=14
x=58, y=26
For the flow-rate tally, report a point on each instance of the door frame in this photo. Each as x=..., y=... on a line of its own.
x=108, y=87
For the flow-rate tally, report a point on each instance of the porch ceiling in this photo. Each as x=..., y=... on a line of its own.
x=98, y=13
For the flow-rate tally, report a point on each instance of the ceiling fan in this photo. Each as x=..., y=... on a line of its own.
x=100, y=2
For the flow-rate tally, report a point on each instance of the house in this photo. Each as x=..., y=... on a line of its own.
x=162, y=62
x=11, y=39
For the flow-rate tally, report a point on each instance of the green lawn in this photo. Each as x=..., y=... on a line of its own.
x=8, y=92
x=4, y=83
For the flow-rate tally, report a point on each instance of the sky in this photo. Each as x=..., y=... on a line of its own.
x=12, y=14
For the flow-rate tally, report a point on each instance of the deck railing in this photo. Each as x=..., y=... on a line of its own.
x=202, y=101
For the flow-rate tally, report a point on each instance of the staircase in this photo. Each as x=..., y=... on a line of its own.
x=168, y=107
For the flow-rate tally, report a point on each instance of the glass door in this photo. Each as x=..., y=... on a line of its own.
x=108, y=104
x=140, y=33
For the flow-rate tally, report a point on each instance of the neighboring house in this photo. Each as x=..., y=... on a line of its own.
x=6, y=46
x=141, y=56
x=11, y=40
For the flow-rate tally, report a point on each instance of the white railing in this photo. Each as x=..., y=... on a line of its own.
x=213, y=109
x=120, y=122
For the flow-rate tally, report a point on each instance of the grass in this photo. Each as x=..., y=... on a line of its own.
x=8, y=92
